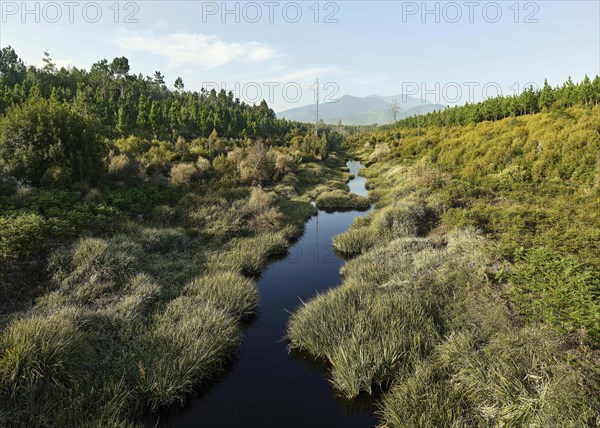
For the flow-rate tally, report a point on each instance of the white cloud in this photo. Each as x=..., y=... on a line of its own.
x=60, y=63
x=194, y=49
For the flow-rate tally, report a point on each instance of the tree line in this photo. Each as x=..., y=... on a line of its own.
x=530, y=101
x=60, y=125
x=128, y=104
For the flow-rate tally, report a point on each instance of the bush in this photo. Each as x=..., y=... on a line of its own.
x=559, y=290
x=122, y=168
x=41, y=136
x=266, y=216
x=183, y=174
x=204, y=167
x=21, y=235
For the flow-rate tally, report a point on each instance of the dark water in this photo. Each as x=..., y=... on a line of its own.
x=267, y=386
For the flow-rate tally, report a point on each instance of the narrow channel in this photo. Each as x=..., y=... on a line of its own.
x=267, y=386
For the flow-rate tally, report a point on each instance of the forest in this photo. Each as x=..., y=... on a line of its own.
x=136, y=220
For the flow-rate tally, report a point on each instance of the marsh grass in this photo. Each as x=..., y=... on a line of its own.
x=249, y=255
x=389, y=312
x=194, y=340
x=405, y=218
x=228, y=291
x=340, y=200
x=41, y=354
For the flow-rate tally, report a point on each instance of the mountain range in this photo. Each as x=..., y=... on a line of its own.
x=369, y=110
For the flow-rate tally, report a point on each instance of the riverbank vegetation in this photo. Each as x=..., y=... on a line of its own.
x=135, y=218
x=133, y=222
x=470, y=297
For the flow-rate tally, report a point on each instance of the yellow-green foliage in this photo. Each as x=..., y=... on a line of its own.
x=442, y=252
x=527, y=181
x=559, y=290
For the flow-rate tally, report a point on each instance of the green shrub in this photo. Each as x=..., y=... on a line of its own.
x=41, y=134
x=21, y=235
x=559, y=290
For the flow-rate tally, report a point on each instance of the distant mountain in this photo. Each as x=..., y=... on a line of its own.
x=361, y=111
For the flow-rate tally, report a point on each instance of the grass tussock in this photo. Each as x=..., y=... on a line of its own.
x=228, y=291
x=42, y=354
x=139, y=320
x=249, y=255
x=405, y=218
x=520, y=378
x=389, y=312
x=189, y=344
x=341, y=200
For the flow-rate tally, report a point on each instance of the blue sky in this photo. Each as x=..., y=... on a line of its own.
x=383, y=48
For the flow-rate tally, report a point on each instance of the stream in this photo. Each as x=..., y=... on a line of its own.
x=266, y=385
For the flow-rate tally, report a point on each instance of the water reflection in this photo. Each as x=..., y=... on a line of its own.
x=265, y=385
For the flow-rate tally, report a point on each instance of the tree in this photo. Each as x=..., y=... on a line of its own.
x=159, y=79
x=142, y=119
x=586, y=91
x=546, y=97
x=179, y=84
x=49, y=65
x=596, y=90
x=12, y=69
x=43, y=138
x=120, y=66
x=394, y=108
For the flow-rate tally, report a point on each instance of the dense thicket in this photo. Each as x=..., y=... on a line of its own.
x=48, y=142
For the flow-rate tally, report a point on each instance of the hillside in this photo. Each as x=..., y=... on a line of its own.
x=475, y=280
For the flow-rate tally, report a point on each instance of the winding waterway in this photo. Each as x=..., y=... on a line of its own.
x=267, y=386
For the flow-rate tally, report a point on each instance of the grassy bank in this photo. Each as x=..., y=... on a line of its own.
x=135, y=317
x=470, y=298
